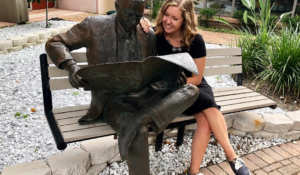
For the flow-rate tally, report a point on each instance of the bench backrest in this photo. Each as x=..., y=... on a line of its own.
x=227, y=60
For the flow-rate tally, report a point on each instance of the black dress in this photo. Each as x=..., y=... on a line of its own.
x=197, y=50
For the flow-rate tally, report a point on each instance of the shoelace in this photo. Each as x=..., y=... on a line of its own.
x=238, y=163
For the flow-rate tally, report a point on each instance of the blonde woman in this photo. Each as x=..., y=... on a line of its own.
x=176, y=31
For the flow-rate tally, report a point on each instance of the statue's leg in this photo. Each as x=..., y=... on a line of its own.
x=159, y=113
x=99, y=99
x=120, y=116
x=138, y=155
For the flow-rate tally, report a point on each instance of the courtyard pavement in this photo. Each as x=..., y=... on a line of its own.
x=277, y=160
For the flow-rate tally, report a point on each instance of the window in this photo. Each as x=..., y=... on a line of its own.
x=224, y=6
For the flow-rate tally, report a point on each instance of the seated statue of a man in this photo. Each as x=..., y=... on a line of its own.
x=119, y=38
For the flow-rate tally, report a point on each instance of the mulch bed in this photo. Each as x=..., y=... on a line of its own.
x=289, y=102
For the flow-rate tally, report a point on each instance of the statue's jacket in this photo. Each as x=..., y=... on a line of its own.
x=98, y=35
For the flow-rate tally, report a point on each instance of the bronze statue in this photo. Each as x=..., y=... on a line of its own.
x=113, y=39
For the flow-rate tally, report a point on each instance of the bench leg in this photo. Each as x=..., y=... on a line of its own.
x=159, y=141
x=180, y=135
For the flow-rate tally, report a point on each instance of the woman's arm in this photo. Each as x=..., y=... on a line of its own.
x=196, y=79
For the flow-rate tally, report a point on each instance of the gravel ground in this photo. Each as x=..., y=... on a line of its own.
x=25, y=135
x=19, y=30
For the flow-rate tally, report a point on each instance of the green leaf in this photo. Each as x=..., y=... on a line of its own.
x=17, y=114
x=245, y=17
x=252, y=19
x=36, y=148
x=253, y=4
x=285, y=14
x=246, y=3
x=25, y=116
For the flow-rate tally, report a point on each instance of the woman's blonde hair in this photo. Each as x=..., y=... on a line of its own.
x=189, y=26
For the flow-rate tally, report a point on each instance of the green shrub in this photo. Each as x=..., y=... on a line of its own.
x=156, y=6
x=282, y=66
x=205, y=15
x=289, y=21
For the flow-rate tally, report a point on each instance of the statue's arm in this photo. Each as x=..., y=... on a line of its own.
x=58, y=48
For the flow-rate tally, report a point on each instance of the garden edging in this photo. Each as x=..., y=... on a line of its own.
x=88, y=159
x=17, y=43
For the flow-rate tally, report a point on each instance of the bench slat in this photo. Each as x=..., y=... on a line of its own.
x=79, y=56
x=209, y=71
x=87, y=133
x=69, y=109
x=223, y=52
x=228, y=89
x=55, y=72
x=74, y=127
x=231, y=97
x=60, y=84
x=243, y=100
x=226, y=93
x=70, y=114
x=247, y=106
x=68, y=121
x=223, y=61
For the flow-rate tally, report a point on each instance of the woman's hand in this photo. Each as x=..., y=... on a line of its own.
x=145, y=24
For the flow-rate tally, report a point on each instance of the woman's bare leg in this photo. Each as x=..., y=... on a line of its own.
x=218, y=126
x=200, y=141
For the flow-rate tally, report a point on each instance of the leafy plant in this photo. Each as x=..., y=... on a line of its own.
x=205, y=15
x=289, y=21
x=156, y=6
x=17, y=114
x=282, y=67
x=25, y=116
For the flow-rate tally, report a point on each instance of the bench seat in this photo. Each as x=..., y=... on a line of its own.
x=231, y=99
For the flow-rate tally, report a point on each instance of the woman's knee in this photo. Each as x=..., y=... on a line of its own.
x=202, y=123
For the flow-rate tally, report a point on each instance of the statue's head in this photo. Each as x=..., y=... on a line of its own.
x=129, y=12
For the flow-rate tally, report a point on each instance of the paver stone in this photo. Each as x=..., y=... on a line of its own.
x=246, y=121
x=37, y=167
x=96, y=169
x=265, y=134
x=32, y=37
x=172, y=133
x=54, y=31
x=295, y=116
x=15, y=49
x=229, y=120
x=18, y=40
x=5, y=44
x=71, y=162
x=44, y=34
x=101, y=149
x=278, y=123
x=30, y=44
x=3, y=52
x=236, y=132
x=291, y=135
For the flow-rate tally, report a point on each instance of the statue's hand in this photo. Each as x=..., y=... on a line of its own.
x=145, y=24
x=75, y=80
x=181, y=79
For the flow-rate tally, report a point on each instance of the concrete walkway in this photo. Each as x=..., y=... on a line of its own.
x=276, y=160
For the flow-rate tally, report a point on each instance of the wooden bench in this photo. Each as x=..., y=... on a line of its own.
x=63, y=121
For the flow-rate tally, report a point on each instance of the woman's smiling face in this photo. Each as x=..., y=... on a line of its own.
x=172, y=20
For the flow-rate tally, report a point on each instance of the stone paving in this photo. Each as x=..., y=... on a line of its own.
x=279, y=160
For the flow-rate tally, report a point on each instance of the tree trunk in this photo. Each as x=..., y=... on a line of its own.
x=47, y=24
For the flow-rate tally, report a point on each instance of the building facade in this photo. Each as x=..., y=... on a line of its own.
x=228, y=7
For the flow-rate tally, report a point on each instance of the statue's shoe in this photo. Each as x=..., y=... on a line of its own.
x=86, y=121
x=92, y=116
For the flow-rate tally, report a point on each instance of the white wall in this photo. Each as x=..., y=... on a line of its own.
x=105, y=6
x=79, y=5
